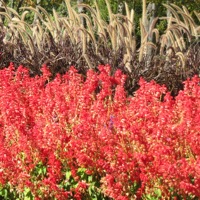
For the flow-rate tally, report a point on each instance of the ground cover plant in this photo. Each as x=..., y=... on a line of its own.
x=79, y=137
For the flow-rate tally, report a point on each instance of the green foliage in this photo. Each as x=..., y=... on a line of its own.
x=39, y=172
x=69, y=183
x=4, y=193
x=156, y=196
x=93, y=190
x=8, y=193
x=27, y=195
x=135, y=186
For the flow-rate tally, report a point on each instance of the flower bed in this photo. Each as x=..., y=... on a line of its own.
x=85, y=139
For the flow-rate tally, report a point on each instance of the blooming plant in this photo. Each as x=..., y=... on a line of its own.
x=72, y=138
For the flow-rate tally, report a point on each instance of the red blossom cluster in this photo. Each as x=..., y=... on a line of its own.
x=133, y=145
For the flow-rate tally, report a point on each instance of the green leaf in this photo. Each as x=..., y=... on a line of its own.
x=68, y=175
x=27, y=194
x=158, y=192
x=4, y=193
x=90, y=179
